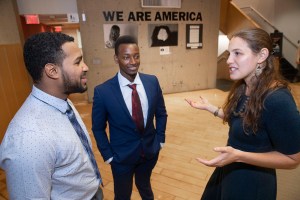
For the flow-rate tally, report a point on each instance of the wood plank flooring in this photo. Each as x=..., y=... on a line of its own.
x=190, y=134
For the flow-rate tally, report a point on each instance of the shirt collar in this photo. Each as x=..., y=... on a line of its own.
x=59, y=104
x=125, y=82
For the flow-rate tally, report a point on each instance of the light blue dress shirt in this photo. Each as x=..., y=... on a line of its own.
x=42, y=154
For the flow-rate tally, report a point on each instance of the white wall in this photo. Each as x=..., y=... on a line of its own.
x=287, y=18
x=223, y=42
x=284, y=15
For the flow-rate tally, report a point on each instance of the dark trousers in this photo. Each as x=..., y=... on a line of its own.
x=123, y=178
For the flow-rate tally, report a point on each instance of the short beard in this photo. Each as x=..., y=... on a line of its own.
x=70, y=88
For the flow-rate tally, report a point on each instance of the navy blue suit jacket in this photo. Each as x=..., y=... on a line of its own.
x=124, y=142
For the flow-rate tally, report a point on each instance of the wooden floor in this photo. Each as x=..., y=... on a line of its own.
x=190, y=134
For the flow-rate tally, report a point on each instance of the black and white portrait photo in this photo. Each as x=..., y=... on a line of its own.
x=163, y=35
x=113, y=31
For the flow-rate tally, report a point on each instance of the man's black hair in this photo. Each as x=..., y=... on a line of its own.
x=124, y=39
x=43, y=48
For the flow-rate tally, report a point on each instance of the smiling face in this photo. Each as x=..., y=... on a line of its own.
x=242, y=61
x=128, y=59
x=73, y=69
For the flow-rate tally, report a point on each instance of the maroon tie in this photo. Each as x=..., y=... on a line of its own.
x=137, y=112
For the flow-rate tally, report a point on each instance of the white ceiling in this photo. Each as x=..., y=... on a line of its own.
x=54, y=12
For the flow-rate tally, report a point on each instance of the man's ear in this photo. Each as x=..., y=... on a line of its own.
x=52, y=71
x=263, y=55
x=116, y=59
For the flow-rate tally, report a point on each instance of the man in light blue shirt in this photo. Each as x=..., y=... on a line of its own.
x=41, y=153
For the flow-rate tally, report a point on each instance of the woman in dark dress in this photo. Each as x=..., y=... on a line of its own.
x=264, y=124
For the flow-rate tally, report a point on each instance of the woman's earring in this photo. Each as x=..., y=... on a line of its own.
x=258, y=70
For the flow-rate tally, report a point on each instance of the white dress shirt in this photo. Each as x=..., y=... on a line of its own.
x=127, y=91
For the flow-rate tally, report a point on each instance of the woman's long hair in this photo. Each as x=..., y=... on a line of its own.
x=262, y=85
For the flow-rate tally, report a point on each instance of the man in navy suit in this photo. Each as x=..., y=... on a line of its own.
x=130, y=152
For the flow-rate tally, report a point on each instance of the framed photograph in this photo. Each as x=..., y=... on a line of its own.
x=277, y=37
x=161, y=3
x=194, y=34
x=113, y=31
x=163, y=35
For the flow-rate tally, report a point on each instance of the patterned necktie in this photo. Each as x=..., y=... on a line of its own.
x=83, y=139
x=137, y=112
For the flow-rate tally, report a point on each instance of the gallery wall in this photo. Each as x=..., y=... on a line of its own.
x=180, y=69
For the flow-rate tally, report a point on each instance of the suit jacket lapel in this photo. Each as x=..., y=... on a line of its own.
x=150, y=94
x=115, y=87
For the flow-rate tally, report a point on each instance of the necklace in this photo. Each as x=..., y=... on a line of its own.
x=242, y=107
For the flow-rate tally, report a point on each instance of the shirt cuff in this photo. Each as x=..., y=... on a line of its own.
x=162, y=145
x=109, y=160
